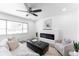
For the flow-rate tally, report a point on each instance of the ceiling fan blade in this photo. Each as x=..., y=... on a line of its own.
x=21, y=10
x=34, y=14
x=38, y=10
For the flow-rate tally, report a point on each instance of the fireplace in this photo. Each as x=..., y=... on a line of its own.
x=47, y=36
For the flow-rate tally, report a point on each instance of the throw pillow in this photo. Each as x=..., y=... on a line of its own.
x=66, y=41
x=13, y=44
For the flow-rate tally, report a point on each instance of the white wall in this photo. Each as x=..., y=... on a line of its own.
x=40, y=27
x=78, y=26
x=31, y=29
x=67, y=25
x=64, y=26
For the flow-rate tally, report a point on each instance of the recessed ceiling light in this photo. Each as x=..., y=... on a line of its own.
x=64, y=9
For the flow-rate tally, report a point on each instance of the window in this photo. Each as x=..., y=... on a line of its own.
x=24, y=28
x=2, y=27
x=14, y=27
x=10, y=27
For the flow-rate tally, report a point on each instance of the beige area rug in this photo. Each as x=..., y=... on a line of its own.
x=52, y=52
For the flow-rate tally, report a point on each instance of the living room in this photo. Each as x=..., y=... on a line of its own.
x=55, y=25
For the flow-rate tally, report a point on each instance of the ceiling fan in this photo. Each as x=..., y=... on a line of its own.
x=31, y=11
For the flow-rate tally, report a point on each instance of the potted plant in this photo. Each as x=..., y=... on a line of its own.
x=76, y=46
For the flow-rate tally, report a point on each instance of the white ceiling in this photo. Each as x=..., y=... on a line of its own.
x=53, y=9
x=11, y=8
x=48, y=9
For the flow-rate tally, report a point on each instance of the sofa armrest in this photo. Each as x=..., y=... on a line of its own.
x=64, y=48
x=67, y=48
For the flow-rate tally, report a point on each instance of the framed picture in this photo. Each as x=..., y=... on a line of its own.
x=48, y=24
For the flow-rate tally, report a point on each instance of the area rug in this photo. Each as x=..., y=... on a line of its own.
x=52, y=52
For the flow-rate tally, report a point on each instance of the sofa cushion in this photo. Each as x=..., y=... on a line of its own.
x=3, y=43
x=4, y=52
x=13, y=44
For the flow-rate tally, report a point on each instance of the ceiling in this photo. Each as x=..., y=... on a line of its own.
x=53, y=9
x=48, y=9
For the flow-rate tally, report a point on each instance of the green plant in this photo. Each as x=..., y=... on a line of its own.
x=76, y=46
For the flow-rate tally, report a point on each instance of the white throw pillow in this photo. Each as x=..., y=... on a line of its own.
x=66, y=41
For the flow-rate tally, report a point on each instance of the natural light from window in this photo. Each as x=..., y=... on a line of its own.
x=14, y=27
x=11, y=27
x=24, y=28
x=2, y=27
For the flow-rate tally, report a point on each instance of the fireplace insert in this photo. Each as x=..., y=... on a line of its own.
x=47, y=36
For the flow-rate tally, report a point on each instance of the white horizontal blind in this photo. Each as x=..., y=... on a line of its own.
x=2, y=27
x=25, y=28
x=11, y=27
x=14, y=27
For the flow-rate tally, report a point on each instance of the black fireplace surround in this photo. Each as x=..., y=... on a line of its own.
x=47, y=36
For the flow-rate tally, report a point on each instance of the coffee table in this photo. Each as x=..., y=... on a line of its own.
x=39, y=47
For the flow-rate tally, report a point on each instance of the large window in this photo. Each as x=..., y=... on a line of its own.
x=24, y=28
x=10, y=27
x=14, y=27
x=2, y=27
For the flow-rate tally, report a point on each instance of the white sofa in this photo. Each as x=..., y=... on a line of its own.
x=4, y=49
x=64, y=47
x=4, y=52
x=21, y=50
